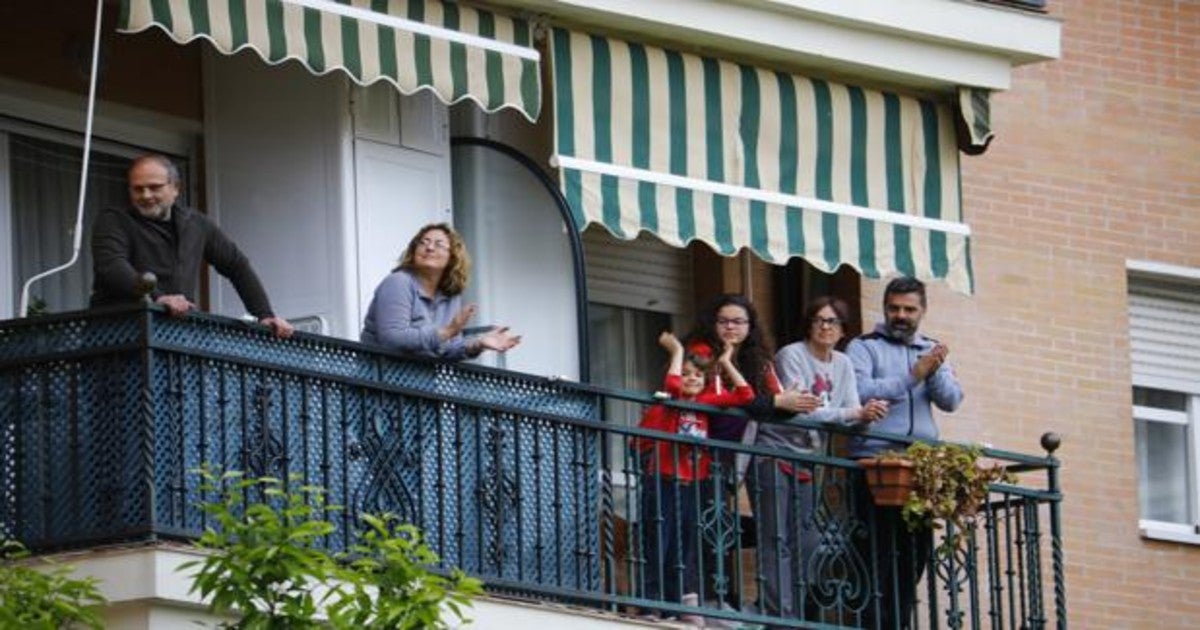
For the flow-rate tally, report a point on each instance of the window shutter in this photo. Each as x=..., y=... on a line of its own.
x=643, y=273
x=1164, y=334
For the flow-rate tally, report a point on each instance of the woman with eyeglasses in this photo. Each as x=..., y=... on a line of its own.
x=418, y=308
x=783, y=490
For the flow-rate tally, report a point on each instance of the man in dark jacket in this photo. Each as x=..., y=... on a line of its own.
x=154, y=234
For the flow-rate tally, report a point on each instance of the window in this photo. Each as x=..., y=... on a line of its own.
x=1164, y=334
x=39, y=188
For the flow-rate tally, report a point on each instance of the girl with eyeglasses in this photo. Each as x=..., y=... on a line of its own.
x=732, y=320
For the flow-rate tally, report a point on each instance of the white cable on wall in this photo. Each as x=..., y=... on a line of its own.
x=83, y=172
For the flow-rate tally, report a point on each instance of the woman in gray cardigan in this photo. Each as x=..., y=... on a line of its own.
x=418, y=310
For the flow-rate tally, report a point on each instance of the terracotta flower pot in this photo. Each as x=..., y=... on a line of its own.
x=890, y=479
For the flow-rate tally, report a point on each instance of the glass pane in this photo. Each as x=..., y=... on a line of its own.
x=44, y=177
x=1163, y=465
x=1159, y=399
x=625, y=354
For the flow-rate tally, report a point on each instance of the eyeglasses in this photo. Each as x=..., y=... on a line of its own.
x=832, y=322
x=433, y=244
x=732, y=321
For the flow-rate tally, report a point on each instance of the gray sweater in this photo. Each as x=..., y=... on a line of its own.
x=403, y=318
x=833, y=381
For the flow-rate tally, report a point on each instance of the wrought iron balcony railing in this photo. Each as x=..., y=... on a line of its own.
x=514, y=478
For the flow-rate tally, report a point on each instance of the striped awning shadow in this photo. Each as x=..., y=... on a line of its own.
x=689, y=147
x=456, y=51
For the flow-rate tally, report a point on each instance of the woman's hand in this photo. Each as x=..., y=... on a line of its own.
x=874, y=410
x=797, y=401
x=500, y=339
x=458, y=322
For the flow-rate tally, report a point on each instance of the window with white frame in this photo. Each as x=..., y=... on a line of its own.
x=1164, y=335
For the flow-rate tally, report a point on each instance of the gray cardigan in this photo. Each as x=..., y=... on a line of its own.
x=403, y=318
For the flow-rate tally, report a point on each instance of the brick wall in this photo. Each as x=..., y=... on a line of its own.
x=1097, y=160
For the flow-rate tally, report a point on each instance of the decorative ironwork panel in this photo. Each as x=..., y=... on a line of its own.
x=36, y=338
x=72, y=466
x=240, y=340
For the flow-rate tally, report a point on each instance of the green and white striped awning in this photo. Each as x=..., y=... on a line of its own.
x=975, y=107
x=689, y=147
x=456, y=51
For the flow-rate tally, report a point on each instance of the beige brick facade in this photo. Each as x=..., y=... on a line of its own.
x=1097, y=161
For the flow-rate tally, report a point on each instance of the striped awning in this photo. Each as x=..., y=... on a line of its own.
x=975, y=108
x=456, y=51
x=689, y=147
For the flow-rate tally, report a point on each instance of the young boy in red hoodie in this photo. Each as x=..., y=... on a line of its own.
x=670, y=498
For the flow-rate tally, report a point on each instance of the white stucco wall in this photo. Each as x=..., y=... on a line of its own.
x=277, y=158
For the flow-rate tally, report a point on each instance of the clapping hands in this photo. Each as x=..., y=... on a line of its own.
x=873, y=411
x=797, y=400
x=458, y=322
x=500, y=339
x=930, y=362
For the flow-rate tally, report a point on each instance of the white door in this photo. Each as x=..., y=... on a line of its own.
x=399, y=190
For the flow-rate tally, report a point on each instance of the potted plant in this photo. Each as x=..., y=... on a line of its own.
x=890, y=479
x=946, y=484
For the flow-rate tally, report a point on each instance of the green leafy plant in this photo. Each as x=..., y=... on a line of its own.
x=392, y=586
x=48, y=599
x=950, y=483
x=268, y=569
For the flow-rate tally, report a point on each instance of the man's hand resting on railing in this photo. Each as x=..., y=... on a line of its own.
x=177, y=305
x=280, y=326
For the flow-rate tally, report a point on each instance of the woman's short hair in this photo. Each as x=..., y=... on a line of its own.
x=817, y=305
x=454, y=278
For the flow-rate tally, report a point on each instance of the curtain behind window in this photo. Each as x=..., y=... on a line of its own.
x=44, y=181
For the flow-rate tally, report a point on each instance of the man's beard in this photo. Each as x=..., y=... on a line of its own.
x=902, y=330
x=156, y=211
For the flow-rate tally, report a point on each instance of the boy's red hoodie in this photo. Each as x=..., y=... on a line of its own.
x=672, y=459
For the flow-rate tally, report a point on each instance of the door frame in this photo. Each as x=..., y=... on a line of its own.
x=574, y=237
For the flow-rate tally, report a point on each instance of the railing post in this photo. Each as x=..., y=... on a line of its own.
x=608, y=513
x=146, y=414
x=1051, y=441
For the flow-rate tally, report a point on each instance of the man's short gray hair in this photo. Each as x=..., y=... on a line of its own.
x=173, y=176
